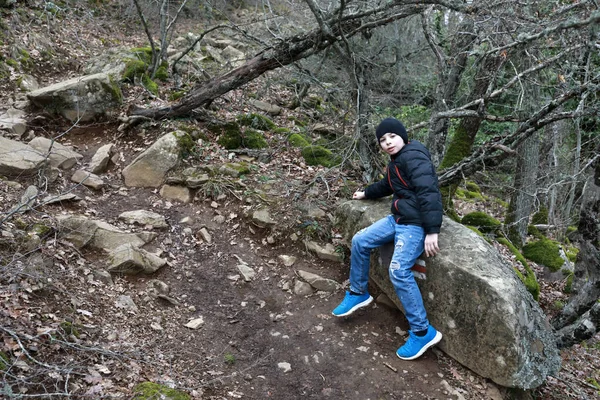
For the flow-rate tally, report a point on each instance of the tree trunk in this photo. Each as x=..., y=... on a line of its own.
x=450, y=77
x=580, y=318
x=524, y=191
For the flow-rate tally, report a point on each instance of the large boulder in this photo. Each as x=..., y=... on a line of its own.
x=490, y=323
x=17, y=159
x=150, y=168
x=80, y=99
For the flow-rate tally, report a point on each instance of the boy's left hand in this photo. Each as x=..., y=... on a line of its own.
x=431, y=244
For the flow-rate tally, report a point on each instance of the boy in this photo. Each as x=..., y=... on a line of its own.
x=413, y=226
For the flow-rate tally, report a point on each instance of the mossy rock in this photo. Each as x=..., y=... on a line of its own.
x=298, y=140
x=143, y=54
x=473, y=187
x=474, y=229
x=134, y=68
x=282, y=130
x=540, y=217
x=529, y=279
x=252, y=139
x=535, y=232
x=569, y=283
x=40, y=229
x=298, y=121
x=153, y=391
x=230, y=134
x=319, y=155
x=69, y=328
x=314, y=102
x=162, y=74
x=572, y=253
x=186, y=143
x=256, y=121
x=545, y=252
x=150, y=84
x=482, y=221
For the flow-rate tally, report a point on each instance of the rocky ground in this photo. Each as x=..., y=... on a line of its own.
x=226, y=317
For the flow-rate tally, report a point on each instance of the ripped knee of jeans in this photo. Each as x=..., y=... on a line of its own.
x=394, y=265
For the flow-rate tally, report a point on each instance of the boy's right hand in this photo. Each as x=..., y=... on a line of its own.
x=358, y=195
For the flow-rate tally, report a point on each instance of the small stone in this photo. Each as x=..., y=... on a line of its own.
x=186, y=221
x=294, y=237
x=219, y=219
x=284, y=366
x=205, y=235
x=214, y=204
x=288, y=261
x=195, y=323
x=88, y=179
x=247, y=272
x=302, y=288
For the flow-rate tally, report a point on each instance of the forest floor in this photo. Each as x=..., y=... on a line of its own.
x=258, y=339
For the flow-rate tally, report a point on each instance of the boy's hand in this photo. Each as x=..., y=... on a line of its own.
x=431, y=244
x=358, y=195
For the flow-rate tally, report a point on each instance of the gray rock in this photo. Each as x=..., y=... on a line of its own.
x=103, y=276
x=130, y=260
x=27, y=199
x=194, y=182
x=80, y=99
x=144, y=217
x=318, y=282
x=205, y=235
x=288, y=261
x=82, y=231
x=490, y=323
x=18, y=159
x=178, y=193
x=324, y=253
x=28, y=83
x=302, y=288
x=262, y=218
x=60, y=198
x=13, y=121
x=247, y=273
x=195, y=323
x=150, y=168
x=59, y=156
x=270, y=109
x=158, y=287
x=88, y=179
x=233, y=56
x=100, y=160
x=126, y=303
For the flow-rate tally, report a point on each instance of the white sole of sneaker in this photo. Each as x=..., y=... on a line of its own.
x=356, y=307
x=436, y=339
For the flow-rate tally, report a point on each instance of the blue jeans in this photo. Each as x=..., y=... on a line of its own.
x=408, y=246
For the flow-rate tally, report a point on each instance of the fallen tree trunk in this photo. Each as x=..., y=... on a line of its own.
x=286, y=52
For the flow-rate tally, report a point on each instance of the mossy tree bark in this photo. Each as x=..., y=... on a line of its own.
x=580, y=318
x=464, y=137
x=451, y=68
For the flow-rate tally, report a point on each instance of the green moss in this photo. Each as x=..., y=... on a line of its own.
x=256, y=121
x=298, y=140
x=540, y=217
x=319, y=155
x=282, y=130
x=114, y=89
x=143, y=54
x=253, y=140
x=231, y=135
x=535, y=232
x=241, y=168
x=314, y=102
x=298, y=121
x=501, y=202
x=473, y=187
x=176, y=95
x=4, y=361
x=545, y=252
x=569, y=283
x=150, y=84
x=571, y=229
x=41, y=229
x=461, y=193
x=152, y=391
x=12, y=62
x=459, y=148
x=134, y=68
x=229, y=359
x=529, y=279
x=572, y=253
x=162, y=73
x=482, y=221
x=185, y=142
x=69, y=328
x=474, y=229
x=473, y=195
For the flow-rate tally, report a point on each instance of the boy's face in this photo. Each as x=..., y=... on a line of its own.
x=391, y=143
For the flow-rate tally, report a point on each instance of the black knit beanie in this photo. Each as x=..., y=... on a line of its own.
x=391, y=125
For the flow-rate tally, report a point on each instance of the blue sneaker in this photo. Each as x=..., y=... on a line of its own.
x=415, y=346
x=351, y=303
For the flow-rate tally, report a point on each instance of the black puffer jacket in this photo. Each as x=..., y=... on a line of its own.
x=411, y=178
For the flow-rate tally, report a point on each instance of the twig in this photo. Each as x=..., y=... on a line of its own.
x=390, y=367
